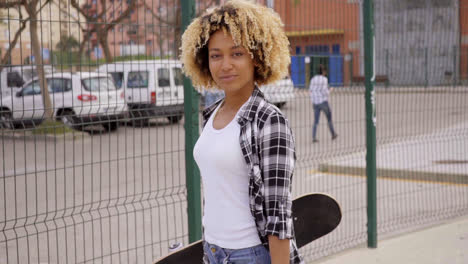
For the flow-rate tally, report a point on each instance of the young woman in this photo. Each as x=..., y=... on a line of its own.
x=246, y=151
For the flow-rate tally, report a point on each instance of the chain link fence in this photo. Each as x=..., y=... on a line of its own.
x=99, y=175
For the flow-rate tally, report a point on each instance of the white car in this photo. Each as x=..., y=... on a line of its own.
x=12, y=78
x=279, y=92
x=78, y=99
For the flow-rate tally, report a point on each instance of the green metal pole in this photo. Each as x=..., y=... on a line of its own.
x=308, y=64
x=387, y=68
x=371, y=169
x=191, y=108
x=426, y=62
x=351, y=66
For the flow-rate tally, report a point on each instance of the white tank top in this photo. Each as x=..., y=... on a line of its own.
x=227, y=220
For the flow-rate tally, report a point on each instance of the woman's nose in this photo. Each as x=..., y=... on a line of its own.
x=226, y=64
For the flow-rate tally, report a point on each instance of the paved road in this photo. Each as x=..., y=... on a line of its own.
x=110, y=193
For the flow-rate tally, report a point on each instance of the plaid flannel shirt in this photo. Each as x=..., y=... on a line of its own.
x=267, y=144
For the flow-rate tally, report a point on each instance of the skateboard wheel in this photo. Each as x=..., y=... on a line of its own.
x=175, y=247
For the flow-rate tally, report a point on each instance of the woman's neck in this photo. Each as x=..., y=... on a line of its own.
x=233, y=101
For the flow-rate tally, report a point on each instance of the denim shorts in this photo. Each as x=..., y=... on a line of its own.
x=252, y=255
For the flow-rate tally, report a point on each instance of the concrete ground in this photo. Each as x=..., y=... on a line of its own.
x=446, y=243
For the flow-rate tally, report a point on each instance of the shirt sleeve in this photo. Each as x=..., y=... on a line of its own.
x=277, y=163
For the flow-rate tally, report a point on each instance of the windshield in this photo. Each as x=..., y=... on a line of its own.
x=98, y=84
x=29, y=73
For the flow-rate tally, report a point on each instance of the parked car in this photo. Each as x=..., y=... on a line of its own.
x=152, y=87
x=12, y=78
x=279, y=92
x=78, y=99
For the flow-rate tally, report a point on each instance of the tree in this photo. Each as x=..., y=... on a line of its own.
x=6, y=57
x=67, y=44
x=172, y=20
x=100, y=24
x=32, y=8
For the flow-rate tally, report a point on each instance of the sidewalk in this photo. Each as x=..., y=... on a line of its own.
x=436, y=157
x=443, y=244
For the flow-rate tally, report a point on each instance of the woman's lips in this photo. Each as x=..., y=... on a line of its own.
x=228, y=78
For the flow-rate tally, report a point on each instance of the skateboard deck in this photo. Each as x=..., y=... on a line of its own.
x=314, y=215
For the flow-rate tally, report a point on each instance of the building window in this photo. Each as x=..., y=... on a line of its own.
x=336, y=48
x=298, y=50
x=317, y=49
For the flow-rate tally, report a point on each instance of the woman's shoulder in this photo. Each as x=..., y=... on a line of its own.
x=258, y=110
x=268, y=112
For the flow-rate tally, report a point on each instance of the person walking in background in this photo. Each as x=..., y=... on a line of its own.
x=319, y=93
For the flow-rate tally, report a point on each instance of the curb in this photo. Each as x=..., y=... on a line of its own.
x=29, y=135
x=438, y=177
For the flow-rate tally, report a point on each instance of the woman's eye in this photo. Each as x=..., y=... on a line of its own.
x=214, y=56
x=238, y=54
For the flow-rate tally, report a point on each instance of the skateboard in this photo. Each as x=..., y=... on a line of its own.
x=314, y=215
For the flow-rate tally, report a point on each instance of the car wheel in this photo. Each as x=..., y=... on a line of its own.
x=6, y=119
x=68, y=118
x=174, y=118
x=111, y=126
x=138, y=119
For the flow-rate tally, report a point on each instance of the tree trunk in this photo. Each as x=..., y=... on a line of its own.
x=102, y=37
x=36, y=50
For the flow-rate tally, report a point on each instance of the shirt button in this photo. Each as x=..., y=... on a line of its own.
x=213, y=250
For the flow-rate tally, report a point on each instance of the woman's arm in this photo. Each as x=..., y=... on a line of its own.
x=279, y=250
x=277, y=159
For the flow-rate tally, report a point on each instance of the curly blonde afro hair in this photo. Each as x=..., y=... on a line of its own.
x=257, y=28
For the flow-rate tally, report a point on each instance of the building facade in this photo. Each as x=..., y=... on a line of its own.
x=418, y=42
x=56, y=20
x=151, y=28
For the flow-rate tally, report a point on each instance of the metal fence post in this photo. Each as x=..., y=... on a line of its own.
x=371, y=170
x=426, y=70
x=191, y=107
x=387, y=67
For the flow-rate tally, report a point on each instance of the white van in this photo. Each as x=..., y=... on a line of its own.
x=152, y=87
x=279, y=92
x=12, y=78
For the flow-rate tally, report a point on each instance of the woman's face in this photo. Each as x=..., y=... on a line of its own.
x=231, y=66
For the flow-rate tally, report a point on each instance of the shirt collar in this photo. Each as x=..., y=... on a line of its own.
x=247, y=111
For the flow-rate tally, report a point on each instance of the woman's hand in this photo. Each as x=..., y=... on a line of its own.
x=279, y=250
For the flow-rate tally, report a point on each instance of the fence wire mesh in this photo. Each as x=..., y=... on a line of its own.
x=99, y=175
